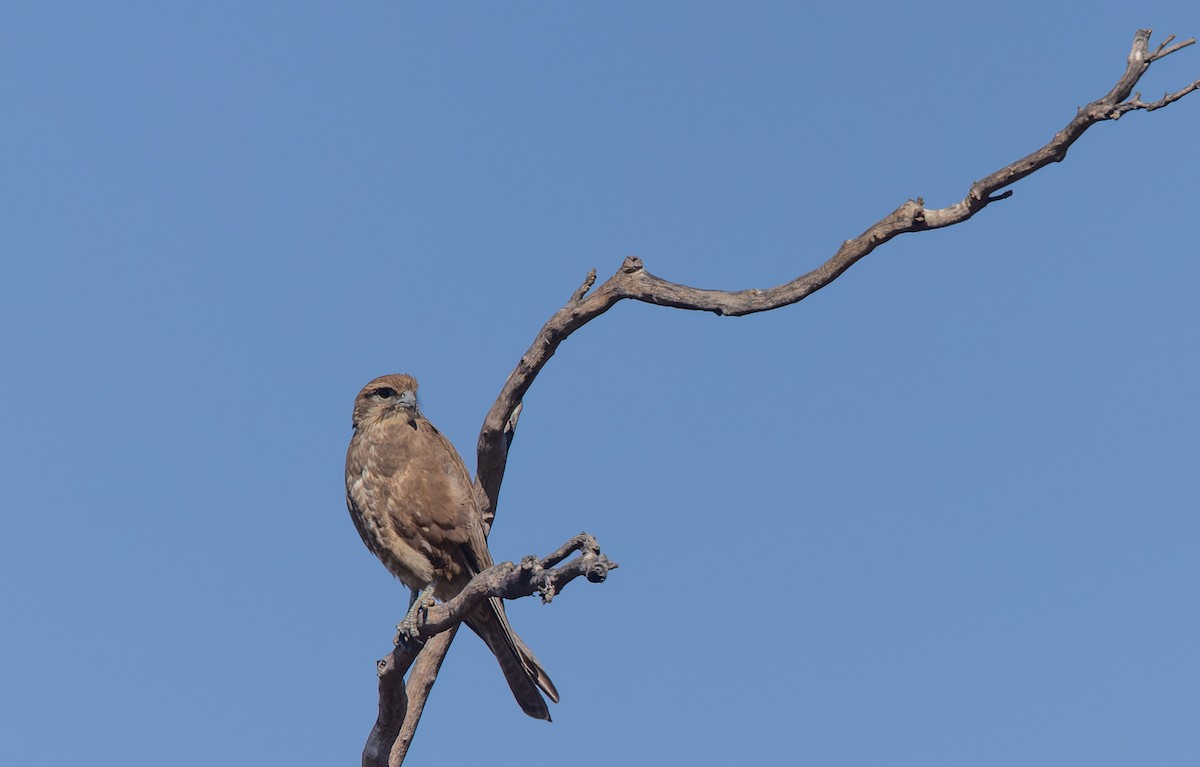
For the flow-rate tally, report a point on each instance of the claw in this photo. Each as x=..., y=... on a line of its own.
x=419, y=603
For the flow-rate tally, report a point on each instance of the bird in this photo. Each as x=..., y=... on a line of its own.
x=411, y=498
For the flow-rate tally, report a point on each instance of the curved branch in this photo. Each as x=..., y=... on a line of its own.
x=632, y=281
x=401, y=705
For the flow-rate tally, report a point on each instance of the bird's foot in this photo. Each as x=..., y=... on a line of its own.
x=418, y=606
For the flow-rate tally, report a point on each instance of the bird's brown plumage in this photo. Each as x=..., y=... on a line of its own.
x=413, y=502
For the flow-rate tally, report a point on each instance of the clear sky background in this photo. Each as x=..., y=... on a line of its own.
x=942, y=513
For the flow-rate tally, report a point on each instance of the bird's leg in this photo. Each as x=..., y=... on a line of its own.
x=417, y=601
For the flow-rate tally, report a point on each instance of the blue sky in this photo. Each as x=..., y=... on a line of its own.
x=941, y=513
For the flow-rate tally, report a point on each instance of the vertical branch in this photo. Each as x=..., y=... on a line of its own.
x=420, y=683
x=488, y=494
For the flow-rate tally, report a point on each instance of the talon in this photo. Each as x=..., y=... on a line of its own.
x=418, y=608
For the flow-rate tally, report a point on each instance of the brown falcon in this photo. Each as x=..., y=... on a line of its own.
x=414, y=505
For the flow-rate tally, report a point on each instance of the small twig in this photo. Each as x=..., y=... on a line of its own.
x=1159, y=52
x=582, y=290
x=1168, y=98
x=582, y=542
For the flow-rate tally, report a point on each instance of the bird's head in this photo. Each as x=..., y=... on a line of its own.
x=385, y=397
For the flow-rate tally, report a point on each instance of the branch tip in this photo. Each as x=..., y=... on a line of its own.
x=1160, y=53
x=1164, y=44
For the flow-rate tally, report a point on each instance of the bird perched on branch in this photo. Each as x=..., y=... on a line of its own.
x=413, y=502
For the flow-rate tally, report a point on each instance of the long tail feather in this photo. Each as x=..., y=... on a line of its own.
x=526, y=677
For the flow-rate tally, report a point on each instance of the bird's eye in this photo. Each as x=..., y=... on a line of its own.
x=385, y=392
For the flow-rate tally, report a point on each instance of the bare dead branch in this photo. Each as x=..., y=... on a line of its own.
x=424, y=649
x=1163, y=44
x=416, y=689
x=632, y=281
x=393, y=707
x=488, y=496
x=1159, y=52
x=397, y=721
x=582, y=290
x=512, y=581
x=1168, y=98
x=401, y=705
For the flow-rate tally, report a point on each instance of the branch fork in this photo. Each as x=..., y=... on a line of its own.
x=423, y=646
